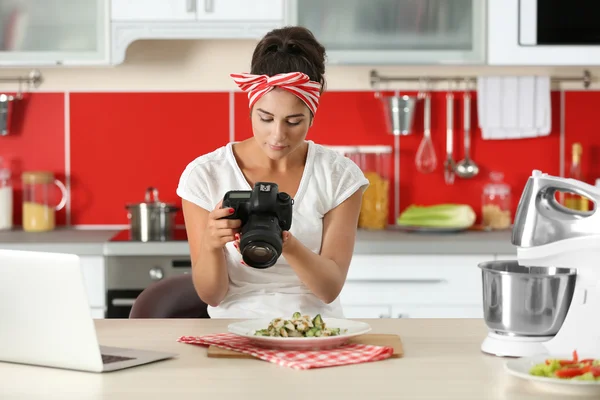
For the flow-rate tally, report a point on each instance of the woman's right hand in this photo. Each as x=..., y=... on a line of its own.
x=221, y=231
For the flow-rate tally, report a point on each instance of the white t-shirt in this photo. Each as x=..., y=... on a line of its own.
x=328, y=179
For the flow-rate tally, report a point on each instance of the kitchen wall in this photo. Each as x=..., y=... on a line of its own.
x=112, y=132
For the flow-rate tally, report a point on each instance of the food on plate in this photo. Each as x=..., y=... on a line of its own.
x=298, y=326
x=584, y=370
x=438, y=216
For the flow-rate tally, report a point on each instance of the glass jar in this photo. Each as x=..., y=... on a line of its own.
x=6, y=197
x=375, y=162
x=496, y=203
x=38, y=208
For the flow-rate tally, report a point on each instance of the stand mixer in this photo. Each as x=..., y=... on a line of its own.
x=548, y=300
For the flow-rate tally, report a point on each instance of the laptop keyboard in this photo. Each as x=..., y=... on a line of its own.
x=107, y=359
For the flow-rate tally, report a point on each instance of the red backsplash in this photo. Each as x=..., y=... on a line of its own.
x=122, y=143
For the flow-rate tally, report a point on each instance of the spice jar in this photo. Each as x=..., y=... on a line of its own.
x=38, y=208
x=6, y=197
x=375, y=164
x=496, y=203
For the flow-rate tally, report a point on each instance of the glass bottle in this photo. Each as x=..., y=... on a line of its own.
x=496, y=203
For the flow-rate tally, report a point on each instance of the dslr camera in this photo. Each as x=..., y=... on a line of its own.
x=265, y=213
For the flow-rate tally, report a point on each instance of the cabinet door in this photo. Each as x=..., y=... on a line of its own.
x=240, y=10
x=153, y=10
x=49, y=32
x=395, y=31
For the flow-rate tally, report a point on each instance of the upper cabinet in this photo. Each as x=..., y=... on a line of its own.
x=54, y=32
x=190, y=19
x=395, y=31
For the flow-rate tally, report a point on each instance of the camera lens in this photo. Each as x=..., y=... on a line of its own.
x=260, y=255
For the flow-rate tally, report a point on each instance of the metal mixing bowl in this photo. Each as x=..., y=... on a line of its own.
x=526, y=301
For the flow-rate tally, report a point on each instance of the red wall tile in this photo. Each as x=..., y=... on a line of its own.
x=121, y=143
x=37, y=142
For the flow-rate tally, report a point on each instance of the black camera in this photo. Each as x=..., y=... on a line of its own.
x=265, y=213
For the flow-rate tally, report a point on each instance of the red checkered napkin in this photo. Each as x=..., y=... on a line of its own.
x=348, y=354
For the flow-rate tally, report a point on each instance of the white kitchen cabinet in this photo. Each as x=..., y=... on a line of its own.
x=240, y=10
x=54, y=32
x=414, y=286
x=93, y=271
x=395, y=31
x=153, y=10
x=191, y=19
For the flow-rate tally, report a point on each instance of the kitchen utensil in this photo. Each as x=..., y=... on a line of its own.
x=426, y=160
x=373, y=339
x=467, y=168
x=399, y=112
x=39, y=212
x=6, y=111
x=449, y=165
x=248, y=327
x=151, y=220
x=559, y=245
x=529, y=301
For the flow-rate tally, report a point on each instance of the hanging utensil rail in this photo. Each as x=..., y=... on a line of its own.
x=34, y=78
x=585, y=78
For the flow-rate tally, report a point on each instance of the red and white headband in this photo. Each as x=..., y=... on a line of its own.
x=297, y=83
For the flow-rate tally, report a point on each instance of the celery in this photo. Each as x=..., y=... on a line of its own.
x=438, y=216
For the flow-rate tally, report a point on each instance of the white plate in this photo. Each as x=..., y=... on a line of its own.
x=247, y=329
x=520, y=368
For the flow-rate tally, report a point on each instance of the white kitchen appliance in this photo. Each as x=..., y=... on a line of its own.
x=548, y=300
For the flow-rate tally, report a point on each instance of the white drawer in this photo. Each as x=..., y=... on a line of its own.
x=414, y=279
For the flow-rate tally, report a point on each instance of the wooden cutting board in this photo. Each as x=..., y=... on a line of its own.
x=372, y=339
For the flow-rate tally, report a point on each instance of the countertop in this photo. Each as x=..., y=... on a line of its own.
x=442, y=361
x=97, y=242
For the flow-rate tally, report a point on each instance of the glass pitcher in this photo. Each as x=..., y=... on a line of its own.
x=38, y=210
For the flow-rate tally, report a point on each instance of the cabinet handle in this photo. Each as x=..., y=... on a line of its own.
x=191, y=5
x=209, y=6
x=384, y=316
x=402, y=315
x=123, y=302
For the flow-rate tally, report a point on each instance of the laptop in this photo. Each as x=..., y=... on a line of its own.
x=45, y=316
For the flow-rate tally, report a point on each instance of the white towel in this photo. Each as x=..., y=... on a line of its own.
x=512, y=107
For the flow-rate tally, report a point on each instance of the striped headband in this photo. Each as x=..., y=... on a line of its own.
x=297, y=83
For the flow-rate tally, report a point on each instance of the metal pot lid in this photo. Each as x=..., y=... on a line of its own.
x=152, y=202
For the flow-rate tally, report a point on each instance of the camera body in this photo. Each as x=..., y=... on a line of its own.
x=265, y=213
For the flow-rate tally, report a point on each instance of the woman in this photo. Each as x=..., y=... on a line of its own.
x=284, y=86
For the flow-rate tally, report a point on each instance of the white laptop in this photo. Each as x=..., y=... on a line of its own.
x=45, y=316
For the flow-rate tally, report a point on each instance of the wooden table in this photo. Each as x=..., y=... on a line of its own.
x=442, y=361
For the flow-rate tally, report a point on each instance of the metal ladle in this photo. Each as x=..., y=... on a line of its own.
x=467, y=168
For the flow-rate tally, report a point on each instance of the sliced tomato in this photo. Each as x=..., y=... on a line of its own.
x=571, y=372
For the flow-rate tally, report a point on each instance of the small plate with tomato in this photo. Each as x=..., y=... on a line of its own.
x=570, y=374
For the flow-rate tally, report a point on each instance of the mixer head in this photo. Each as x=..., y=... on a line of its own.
x=542, y=220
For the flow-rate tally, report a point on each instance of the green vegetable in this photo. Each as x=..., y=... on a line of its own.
x=438, y=216
x=298, y=326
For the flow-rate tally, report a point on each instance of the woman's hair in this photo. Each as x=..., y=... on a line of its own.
x=290, y=49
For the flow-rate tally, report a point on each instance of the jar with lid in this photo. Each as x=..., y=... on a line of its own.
x=6, y=197
x=375, y=162
x=496, y=203
x=39, y=207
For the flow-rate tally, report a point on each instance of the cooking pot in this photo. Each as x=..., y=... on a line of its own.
x=151, y=220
